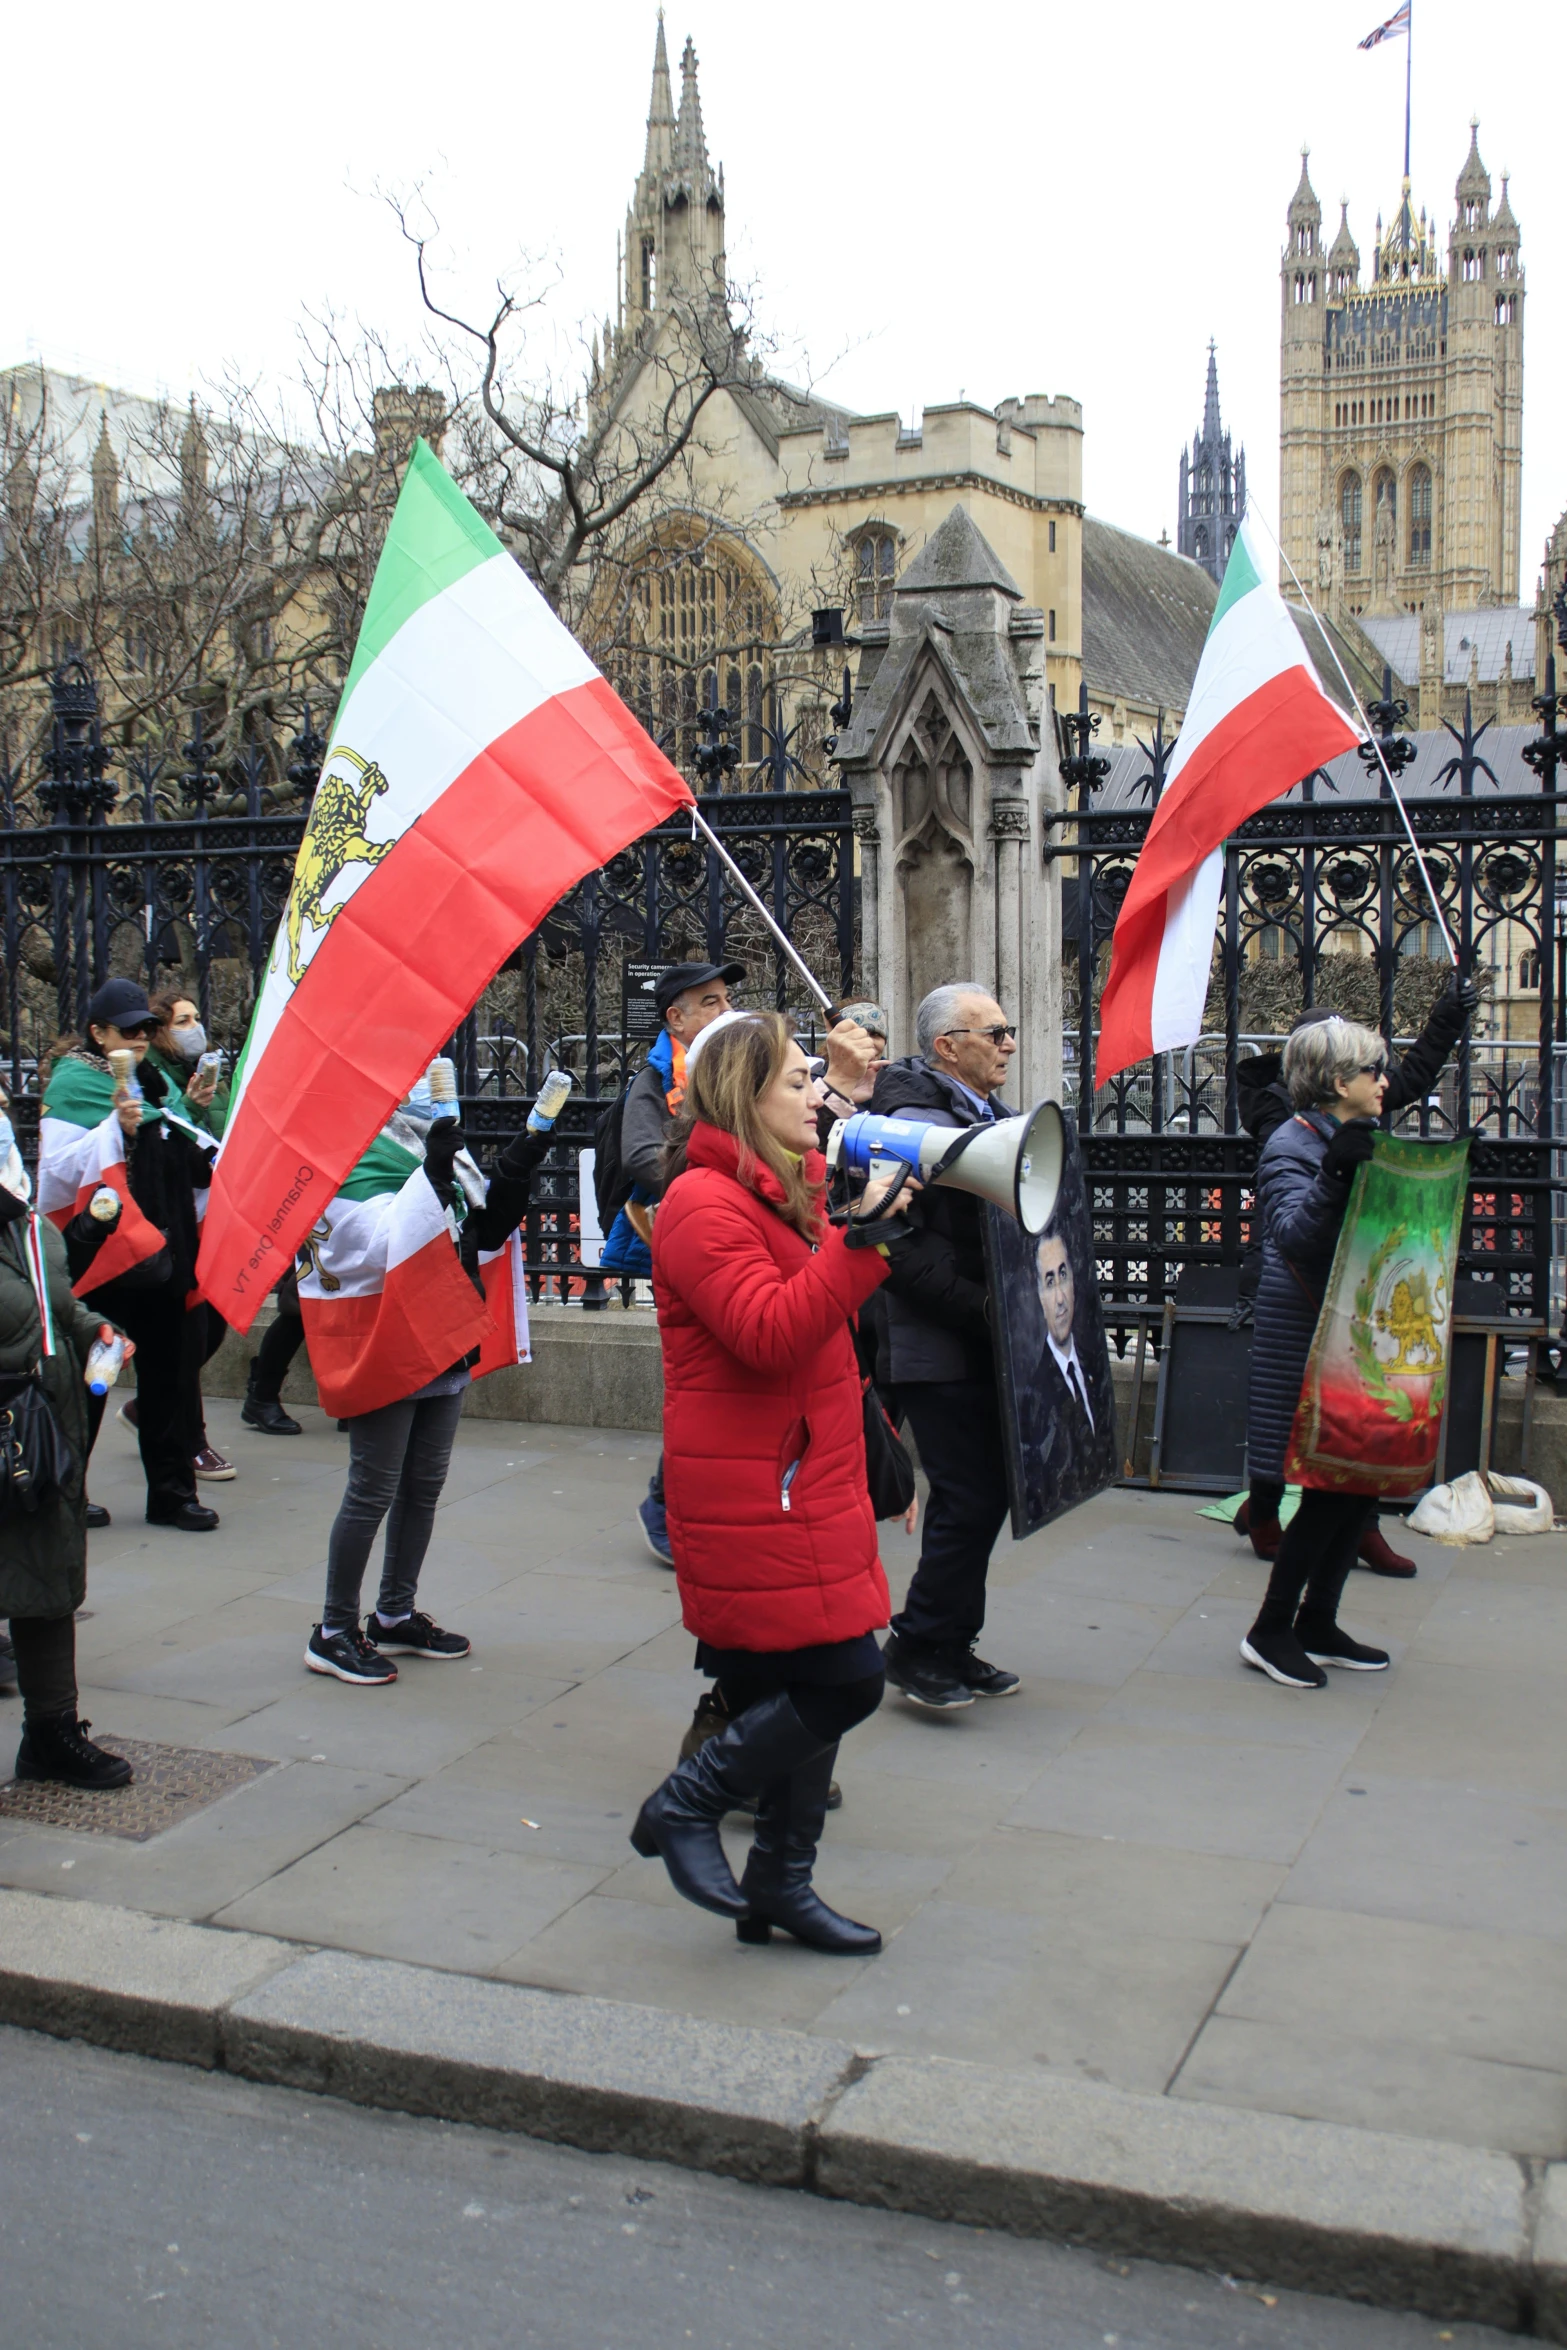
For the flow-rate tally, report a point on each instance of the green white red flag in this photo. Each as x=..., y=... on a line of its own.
x=1257, y=722
x=479, y=767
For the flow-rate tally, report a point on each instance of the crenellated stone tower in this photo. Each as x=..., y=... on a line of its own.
x=1401, y=405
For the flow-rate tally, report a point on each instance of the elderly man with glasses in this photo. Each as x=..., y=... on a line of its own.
x=939, y=1362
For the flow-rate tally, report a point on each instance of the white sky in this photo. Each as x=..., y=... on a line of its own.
x=928, y=200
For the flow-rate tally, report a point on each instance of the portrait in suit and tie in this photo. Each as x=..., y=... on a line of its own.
x=1058, y=1414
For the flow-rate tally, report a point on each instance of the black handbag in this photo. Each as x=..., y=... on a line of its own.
x=889, y=1472
x=35, y=1459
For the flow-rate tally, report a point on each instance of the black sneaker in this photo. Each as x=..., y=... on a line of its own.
x=1281, y=1657
x=417, y=1635
x=347, y=1656
x=927, y=1680
x=985, y=1680
x=1326, y=1644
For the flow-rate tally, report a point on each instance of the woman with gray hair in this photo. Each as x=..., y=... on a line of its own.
x=1336, y=1072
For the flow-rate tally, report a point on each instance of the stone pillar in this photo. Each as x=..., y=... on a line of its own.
x=951, y=760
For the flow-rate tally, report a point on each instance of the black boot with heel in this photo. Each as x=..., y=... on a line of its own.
x=57, y=1747
x=777, y=1881
x=680, y=1820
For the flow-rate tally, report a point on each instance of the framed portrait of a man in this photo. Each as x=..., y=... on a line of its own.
x=1052, y=1360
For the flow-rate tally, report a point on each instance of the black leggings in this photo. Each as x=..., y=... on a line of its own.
x=1268, y=1492
x=1314, y=1558
x=45, y=1664
x=829, y=1710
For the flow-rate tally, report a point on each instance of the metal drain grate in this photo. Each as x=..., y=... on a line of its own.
x=171, y=1783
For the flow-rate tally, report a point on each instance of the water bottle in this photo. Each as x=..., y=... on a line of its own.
x=103, y=1363
x=104, y=1205
x=552, y=1099
x=122, y=1063
x=442, y=1075
x=210, y=1065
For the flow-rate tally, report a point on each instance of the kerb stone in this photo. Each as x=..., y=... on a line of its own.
x=152, y=1986
x=1550, y=2256
x=1402, y=2222
x=586, y=2072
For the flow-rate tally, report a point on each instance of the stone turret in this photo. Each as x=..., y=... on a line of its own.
x=1212, y=488
x=673, y=255
x=952, y=769
x=105, y=493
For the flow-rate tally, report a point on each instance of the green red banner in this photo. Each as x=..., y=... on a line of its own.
x=1370, y=1413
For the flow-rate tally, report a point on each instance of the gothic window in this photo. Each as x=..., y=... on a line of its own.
x=1471, y=214
x=702, y=619
x=1529, y=968
x=1200, y=546
x=875, y=568
x=649, y=274
x=1420, y=515
x=1386, y=492
x=1052, y=538
x=1350, y=509
x=1473, y=266
x=1504, y=263
x=1052, y=624
x=1505, y=310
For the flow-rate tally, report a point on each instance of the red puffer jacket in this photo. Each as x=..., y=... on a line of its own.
x=764, y=1435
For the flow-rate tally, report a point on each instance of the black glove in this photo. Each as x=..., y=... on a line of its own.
x=522, y=1154
x=1465, y=994
x=441, y=1145
x=1350, y=1148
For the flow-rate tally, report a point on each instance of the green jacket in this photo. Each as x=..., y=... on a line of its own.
x=43, y=1556
x=177, y=1075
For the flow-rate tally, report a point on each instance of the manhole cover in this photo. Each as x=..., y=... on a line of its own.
x=170, y=1783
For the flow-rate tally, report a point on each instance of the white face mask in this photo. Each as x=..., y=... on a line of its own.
x=13, y=1174
x=190, y=1043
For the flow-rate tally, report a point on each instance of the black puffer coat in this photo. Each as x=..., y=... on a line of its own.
x=1300, y=1209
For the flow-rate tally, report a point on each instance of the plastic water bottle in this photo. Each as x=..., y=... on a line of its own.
x=210, y=1065
x=103, y=1363
x=442, y=1075
x=104, y=1205
x=553, y=1095
x=122, y=1063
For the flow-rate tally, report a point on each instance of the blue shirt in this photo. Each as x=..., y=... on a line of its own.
x=980, y=1101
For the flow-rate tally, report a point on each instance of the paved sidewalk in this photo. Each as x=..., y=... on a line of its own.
x=1150, y=1869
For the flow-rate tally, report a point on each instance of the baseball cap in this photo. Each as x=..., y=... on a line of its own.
x=121, y=1004
x=680, y=976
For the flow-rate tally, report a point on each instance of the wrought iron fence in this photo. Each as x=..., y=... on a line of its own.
x=174, y=870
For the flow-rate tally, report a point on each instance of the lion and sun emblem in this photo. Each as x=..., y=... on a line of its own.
x=1414, y=1320
x=335, y=839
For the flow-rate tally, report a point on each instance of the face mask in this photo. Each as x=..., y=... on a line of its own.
x=418, y=1102
x=13, y=1175
x=190, y=1043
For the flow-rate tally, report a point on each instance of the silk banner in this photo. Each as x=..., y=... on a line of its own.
x=1370, y=1413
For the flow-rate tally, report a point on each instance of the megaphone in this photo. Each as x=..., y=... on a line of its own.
x=1016, y=1163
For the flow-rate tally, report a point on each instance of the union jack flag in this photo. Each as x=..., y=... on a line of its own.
x=1397, y=23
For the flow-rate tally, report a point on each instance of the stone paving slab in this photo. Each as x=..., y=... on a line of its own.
x=1150, y=1871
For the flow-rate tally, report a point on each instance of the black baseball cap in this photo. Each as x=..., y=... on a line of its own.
x=121, y=1004
x=680, y=976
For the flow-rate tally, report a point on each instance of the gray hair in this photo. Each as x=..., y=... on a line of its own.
x=941, y=1011
x=1315, y=1057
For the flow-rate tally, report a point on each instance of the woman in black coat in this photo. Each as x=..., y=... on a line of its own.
x=43, y=1550
x=1336, y=1072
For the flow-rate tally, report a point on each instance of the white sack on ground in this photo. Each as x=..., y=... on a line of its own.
x=1521, y=1506
x=1459, y=1513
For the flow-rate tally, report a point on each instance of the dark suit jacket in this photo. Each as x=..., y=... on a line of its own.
x=1064, y=1457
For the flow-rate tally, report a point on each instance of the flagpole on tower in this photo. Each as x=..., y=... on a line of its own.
x=1409, y=67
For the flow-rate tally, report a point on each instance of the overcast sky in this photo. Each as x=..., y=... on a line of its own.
x=929, y=200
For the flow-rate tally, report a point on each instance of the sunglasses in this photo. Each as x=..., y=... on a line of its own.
x=995, y=1034
x=1373, y=1069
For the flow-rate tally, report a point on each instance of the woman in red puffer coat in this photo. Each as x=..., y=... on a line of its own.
x=764, y=1475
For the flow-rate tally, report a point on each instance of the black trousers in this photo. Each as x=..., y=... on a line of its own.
x=169, y=1354
x=1314, y=1558
x=45, y=1664
x=957, y=1426
x=281, y=1342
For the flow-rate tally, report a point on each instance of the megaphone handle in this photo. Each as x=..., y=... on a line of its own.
x=900, y=1171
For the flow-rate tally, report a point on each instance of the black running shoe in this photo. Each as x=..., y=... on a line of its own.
x=985, y=1680
x=1328, y=1644
x=1281, y=1657
x=347, y=1656
x=926, y=1680
x=417, y=1635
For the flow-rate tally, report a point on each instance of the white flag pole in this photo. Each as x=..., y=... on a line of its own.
x=1253, y=508
x=699, y=823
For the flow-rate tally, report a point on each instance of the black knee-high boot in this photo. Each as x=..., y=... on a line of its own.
x=680, y=1820
x=777, y=1880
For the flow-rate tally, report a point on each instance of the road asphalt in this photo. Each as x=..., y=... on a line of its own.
x=150, y=2205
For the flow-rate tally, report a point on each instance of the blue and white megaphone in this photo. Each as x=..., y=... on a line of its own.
x=1016, y=1162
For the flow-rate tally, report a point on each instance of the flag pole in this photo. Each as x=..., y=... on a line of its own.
x=1452, y=952
x=1409, y=68
x=700, y=824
